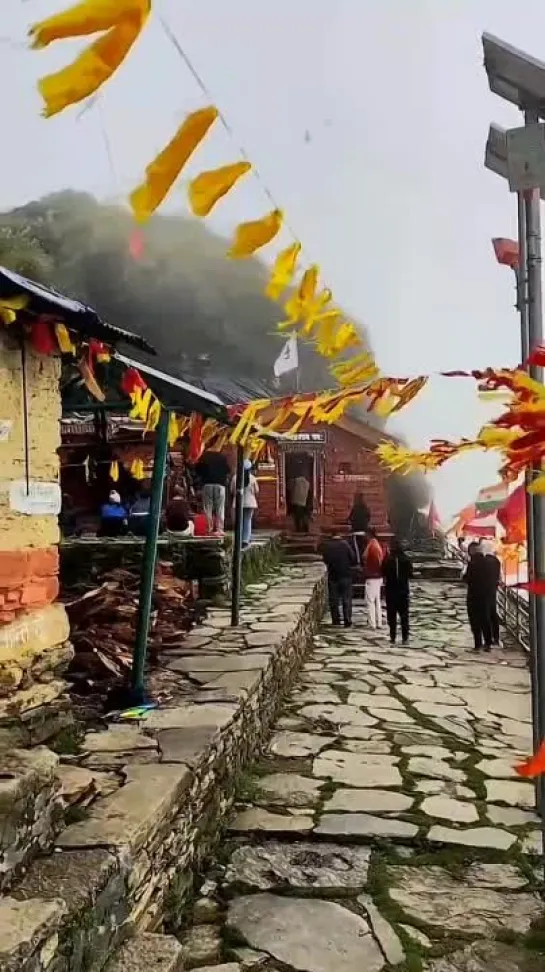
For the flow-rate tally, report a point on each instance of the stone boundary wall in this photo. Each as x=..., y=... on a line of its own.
x=85, y=560
x=128, y=864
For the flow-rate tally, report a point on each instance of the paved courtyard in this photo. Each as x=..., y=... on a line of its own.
x=384, y=825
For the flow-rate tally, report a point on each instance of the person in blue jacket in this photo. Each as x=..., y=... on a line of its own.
x=113, y=517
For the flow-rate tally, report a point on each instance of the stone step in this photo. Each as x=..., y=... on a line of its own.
x=31, y=808
x=28, y=932
x=148, y=953
x=446, y=570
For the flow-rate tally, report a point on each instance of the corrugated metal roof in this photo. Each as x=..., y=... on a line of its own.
x=175, y=393
x=76, y=316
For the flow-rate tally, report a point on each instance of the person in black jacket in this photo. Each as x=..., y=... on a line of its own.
x=340, y=560
x=494, y=576
x=397, y=571
x=359, y=519
x=479, y=605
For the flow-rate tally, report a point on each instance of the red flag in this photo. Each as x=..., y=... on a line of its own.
x=195, y=438
x=537, y=357
x=41, y=336
x=536, y=587
x=131, y=380
x=136, y=244
x=507, y=252
x=512, y=516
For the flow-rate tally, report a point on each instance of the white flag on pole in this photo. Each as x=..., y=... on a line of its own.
x=288, y=359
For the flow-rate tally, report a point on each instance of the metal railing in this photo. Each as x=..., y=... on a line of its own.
x=512, y=608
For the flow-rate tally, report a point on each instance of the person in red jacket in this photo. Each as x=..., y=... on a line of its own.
x=372, y=571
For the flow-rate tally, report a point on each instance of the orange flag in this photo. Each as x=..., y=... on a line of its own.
x=534, y=766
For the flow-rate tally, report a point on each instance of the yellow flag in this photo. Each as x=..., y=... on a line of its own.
x=9, y=307
x=114, y=471
x=173, y=430
x=313, y=311
x=64, y=340
x=141, y=402
x=88, y=17
x=358, y=370
x=283, y=271
x=385, y=405
x=250, y=237
x=491, y=437
x=94, y=66
x=137, y=469
x=537, y=487
x=166, y=167
x=304, y=295
x=154, y=415
x=326, y=334
x=90, y=381
x=209, y=187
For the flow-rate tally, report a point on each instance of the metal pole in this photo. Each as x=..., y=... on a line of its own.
x=523, y=308
x=522, y=276
x=237, y=543
x=535, y=338
x=149, y=558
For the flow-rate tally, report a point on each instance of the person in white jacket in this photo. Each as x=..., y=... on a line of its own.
x=249, y=501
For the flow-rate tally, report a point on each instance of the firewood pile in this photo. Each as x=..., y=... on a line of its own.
x=103, y=623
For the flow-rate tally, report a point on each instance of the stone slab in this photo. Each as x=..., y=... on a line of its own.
x=356, y=770
x=148, y=953
x=364, y=825
x=448, y=808
x=26, y=926
x=383, y=932
x=288, y=789
x=184, y=745
x=368, y=801
x=299, y=866
x=133, y=813
x=292, y=745
x=192, y=716
x=433, y=896
x=221, y=663
x=305, y=934
x=258, y=820
x=487, y=837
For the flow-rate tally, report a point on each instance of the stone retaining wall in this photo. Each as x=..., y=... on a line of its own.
x=128, y=863
x=85, y=560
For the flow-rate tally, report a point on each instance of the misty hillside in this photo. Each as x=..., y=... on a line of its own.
x=206, y=315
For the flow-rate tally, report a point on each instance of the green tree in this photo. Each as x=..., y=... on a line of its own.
x=21, y=252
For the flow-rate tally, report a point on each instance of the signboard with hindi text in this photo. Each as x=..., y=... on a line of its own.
x=35, y=498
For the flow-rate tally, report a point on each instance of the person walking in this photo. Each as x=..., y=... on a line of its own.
x=493, y=567
x=397, y=571
x=249, y=501
x=299, y=497
x=340, y=560
x=360, y=516
x=359, y=519
x=477, y=579
x=213, y=471
x=372, y=571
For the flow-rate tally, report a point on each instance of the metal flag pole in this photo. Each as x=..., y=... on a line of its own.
x=535, y=337
x=236, y=574
x=149, y=559
x=523, y=309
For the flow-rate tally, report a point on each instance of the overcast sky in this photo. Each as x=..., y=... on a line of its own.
x=389, y=196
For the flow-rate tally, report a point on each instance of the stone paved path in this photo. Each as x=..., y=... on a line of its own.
x=384, y=826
